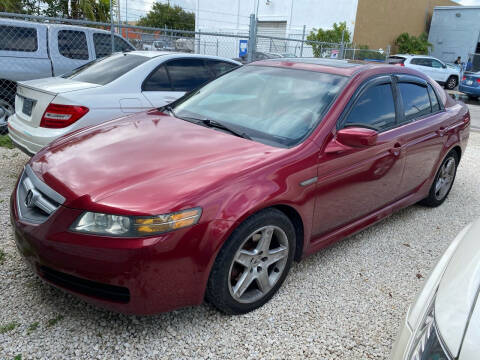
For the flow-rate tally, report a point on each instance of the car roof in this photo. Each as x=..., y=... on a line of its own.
x=15, y=22
x=332, y=66
x=410, y=56
x=176, y=54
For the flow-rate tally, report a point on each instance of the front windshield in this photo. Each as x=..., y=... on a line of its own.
x=104, y=70
x=272, y=105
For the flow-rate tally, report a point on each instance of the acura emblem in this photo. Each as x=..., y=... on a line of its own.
x=31, y=198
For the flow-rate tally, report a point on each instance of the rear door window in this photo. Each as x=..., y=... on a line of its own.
x=158, y=81
x=73, y=44
x=15, y=38
x=436, y=64
x=375, y=108
x=187, y=74
x=416, y=101
x=220, y=67
x=422, y=62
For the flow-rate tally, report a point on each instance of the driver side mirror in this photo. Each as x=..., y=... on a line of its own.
x=352, y=137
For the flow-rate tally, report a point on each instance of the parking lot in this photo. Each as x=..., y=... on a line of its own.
x=345, y=302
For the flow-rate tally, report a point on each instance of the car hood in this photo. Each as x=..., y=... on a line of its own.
x=57, y=85
x=458, y=290
x=148, y=163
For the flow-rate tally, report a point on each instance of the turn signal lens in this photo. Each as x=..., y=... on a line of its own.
x=478, y=80
x=133, y=226
x=58, y=116
x=464, y=78
x=168, y=222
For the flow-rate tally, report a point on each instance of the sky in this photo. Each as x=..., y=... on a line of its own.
x=136, y=8
x=468, y=2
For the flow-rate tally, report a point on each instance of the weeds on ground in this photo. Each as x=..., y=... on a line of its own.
x=6, y=142
x=18, y=357
x=2, y=256
x=32, y=327
x=8, y=327
x=54, y=321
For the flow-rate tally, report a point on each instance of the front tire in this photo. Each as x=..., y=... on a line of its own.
x=253, y=263
x=451, y=83
x=443, y=181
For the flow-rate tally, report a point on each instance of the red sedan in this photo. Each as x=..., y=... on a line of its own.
x=213, y=197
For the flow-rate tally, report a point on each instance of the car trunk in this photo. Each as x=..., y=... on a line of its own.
x=471, y=80
x=33, y=97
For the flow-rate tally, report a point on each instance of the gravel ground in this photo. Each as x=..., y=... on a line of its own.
x=345, y=302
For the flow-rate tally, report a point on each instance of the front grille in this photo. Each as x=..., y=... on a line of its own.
x=36, y=201
x=86, y=287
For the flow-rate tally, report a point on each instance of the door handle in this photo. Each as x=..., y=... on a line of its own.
x=441, y=131
x=397, y=149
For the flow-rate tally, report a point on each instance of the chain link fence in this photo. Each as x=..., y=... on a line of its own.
x=33, y=47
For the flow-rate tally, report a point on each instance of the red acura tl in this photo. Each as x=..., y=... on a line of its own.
x=213, y=197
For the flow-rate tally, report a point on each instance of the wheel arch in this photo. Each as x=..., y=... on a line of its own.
x=297, y=222
x=458, y=150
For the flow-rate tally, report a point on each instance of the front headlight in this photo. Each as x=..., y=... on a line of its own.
x=134, y=226
x=427, y=344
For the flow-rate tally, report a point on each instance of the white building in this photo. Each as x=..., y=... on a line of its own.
x=278, y=18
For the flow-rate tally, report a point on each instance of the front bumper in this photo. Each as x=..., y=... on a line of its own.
x=401, y=346
x=135, y=275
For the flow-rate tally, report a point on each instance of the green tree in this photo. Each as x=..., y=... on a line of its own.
x=333, y=35
x=173, y=17
x=409, y=44
x=95, y=10
x=19, y=6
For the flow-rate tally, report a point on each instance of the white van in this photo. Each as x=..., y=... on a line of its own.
x=30, y=50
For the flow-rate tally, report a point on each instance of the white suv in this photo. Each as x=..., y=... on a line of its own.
x=444, y=74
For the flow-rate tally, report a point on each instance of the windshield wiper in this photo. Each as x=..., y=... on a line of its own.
x=219, y=125
x=168, y=108
x=215, y=124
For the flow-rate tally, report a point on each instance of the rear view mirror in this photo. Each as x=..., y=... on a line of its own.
x=357, y=137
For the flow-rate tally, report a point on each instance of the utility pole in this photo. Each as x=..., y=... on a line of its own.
x=111, y=26
x=303, y=40
x=126, y=18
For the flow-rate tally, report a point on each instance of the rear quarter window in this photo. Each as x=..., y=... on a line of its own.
x=16, y=38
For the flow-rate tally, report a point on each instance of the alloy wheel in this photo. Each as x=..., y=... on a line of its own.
x=452, y=83
x=258, y=264
x=445, y=179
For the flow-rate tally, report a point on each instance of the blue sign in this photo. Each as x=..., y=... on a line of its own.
x=243, y=48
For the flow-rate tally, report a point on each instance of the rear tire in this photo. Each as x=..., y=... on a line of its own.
x=253, y=263
x=6, y=110
x=451, y=83
x=7, y=103
x=443, y=181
